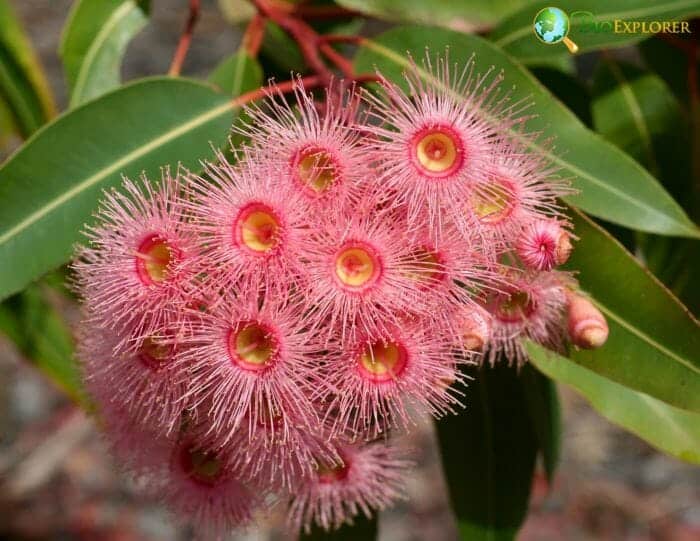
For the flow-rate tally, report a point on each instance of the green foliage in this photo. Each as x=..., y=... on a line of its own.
x=94, y=41
x=489, y=450
x=515, y=34
x=49, y=189
x=23, y=88
x=672, y=430
x=654, y=342
x=31, y=321
x=237, y=74
x=612, y=186
x=461, y=15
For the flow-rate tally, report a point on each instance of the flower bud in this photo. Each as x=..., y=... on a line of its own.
x=587, y=326
x=476, y=330
x=544, y=244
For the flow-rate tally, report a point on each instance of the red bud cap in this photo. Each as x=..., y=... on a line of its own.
x=587, y=326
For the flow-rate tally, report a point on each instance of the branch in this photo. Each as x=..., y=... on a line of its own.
x=185, y=39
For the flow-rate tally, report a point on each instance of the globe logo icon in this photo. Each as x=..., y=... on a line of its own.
x=552, y=26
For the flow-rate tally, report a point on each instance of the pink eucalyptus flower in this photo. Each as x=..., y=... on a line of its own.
x=251, y=227
x=378, y=380
x=133, y=273
x=369, y=478
x=544, y=244
x=533, y=308
x=314, y=145
x=249, y=362
x=433, y=144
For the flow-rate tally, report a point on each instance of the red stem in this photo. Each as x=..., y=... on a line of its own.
x=312, y=81
x=254, y=34
x=185, y=39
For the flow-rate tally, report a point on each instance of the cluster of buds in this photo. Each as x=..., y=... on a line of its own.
x=255, y=335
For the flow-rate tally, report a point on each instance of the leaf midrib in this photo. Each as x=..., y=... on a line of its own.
x=653, y=10
x=645, y=337
x=113, y=20
x=115, y=166
x=636, y=111
x=392, y=55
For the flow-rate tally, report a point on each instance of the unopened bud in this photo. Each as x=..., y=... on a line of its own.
x=543, y=244
x=587, y=326
x=476, y=329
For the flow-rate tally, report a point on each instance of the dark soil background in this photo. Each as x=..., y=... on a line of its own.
x=57, y=482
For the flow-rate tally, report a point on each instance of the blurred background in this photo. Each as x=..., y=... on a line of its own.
x=58, y=482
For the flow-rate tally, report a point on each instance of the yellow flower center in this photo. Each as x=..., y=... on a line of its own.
x=383, y=361
x=515, y=307
x=493, y=204
x=257, y=229
x=316, y=169
x=437, y=151
x=356, y=267
x=154, y=258
x=201, y=466
x=154, y=353
x=252, y=346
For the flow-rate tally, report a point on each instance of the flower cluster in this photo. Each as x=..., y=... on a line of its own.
x=255, y=334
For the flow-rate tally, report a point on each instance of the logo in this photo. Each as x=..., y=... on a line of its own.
x=551, y=26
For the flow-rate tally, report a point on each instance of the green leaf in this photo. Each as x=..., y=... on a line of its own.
x=94, y=41
x=237, y=74
x=670, y=63
x=488, y=454
x=39, y=332
x=23, y=86
x=363, y=528
x=516, y=36
x=543, y=406
x=654, y=342
x=281, y=51
x=636, y=112
x=612, y=185
x=568, y=89
x=671, y=430
x=50, y=187
x=460, y=15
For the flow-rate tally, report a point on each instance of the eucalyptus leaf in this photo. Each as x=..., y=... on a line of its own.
x=237, y=74
x=460, y=15
x=50, y=187
x=611, y=185
x=23, y=86
x=671, y=430
x=39, y=332
x=654, y=342
x=488, y=454
x=592, y=28
x=94, y=41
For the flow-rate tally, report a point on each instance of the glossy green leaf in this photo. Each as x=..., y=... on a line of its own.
x=50, y=187
x=670, y=63
x=23, y=86
x=460, y=15
x=654, y=343
x=488, y=454
x=636, y=111
x=543, y=406
x=363, y=528
x=42, y=336
x=516, y=36
x=671, y=430
x=237, y=74
x=612, y=185
x=94, y=41
x=568, y=89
